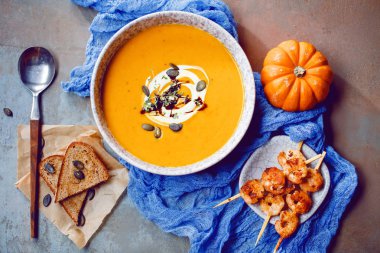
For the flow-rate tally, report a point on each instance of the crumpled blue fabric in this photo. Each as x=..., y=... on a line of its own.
x=182, y=205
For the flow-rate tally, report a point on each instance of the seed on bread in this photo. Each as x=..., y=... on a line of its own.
x=78, y=164
x=49, y=168
x=78, y=174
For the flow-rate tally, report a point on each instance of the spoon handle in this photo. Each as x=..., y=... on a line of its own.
x=34, y=177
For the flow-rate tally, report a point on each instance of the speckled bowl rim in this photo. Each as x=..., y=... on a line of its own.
x=175, y=17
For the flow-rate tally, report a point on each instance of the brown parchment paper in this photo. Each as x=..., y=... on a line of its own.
x=57, y=138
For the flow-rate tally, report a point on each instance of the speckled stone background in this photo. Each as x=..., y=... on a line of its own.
x=347, y=31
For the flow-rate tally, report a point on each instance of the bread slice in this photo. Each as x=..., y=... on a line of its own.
x=73, y=205
x=94, y=171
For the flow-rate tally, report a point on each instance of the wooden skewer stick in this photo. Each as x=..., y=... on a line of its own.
x=228, y=200
x=263, y=228
x=300, y=145
x=313, y=159
x=320, y=161
x=278, y=244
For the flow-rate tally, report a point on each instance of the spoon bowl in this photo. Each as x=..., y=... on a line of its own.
x=36, y=67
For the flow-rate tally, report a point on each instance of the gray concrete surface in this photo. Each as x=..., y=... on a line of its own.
x=347, y=31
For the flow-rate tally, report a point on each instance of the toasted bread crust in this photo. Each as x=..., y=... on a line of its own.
x=102, y=168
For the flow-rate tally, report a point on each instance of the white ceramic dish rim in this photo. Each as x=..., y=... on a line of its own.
x=317, y=200
x=239, y=56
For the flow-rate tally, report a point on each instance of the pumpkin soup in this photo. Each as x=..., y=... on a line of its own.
x=172, y=95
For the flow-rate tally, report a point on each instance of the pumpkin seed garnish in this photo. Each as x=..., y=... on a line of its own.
x=174, y=66
x=81, y=220
x=175, y=127
x=47, y=200
x=78, y=174
x=201, y=85
x=91, y=194
x=146, y=90
x=78, y=164
x=8, y=112
x=49, y=168
x=172, y=73
x=147, y=127
x=157, y=132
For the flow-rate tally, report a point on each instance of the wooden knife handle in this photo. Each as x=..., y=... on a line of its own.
x=34, y=177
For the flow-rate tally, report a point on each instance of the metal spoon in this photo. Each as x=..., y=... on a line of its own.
x=37, y=69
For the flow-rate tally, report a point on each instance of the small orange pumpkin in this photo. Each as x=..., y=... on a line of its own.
x=295, y=76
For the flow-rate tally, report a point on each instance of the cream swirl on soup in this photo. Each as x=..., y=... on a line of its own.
x=175, y=94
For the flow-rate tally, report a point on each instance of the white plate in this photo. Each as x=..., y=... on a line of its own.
x=266, y=157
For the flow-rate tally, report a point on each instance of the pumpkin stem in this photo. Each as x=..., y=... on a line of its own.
x=299, y=71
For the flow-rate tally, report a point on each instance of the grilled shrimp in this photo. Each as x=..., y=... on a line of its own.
x=273, y=180
x=293, y=163
x=252, y=191
x=287, y=224
x=289, y=187
x=272, y=204
x=299, y=202
x=312, y=182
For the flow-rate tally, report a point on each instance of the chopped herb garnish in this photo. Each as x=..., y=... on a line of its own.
x=198, y=101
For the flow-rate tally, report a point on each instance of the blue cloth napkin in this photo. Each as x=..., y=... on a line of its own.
x=183, y=205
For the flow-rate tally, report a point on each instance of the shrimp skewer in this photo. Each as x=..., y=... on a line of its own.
x=294, y=164
x=299, y=202
x=251, y=192
x=273, y=180
x=269, y=184
x=313, y=181
x=272, y=206
x=286, y=226
x=230, y=199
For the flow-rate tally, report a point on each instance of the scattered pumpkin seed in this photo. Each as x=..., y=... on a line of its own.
x=146, y=90
x=78, y=174
x=147, y=127
x=91, y=194
x=47, y=200
x=175, y=127
x=49, y=168
x=81, y=220
x=42, y=142
x=175, y=67
x=8, y=112
x=201, y=85
x=172, y=73
x=157, y=132
x=78, y=164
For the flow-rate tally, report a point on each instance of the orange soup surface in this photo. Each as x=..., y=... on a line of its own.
x=141, y=60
